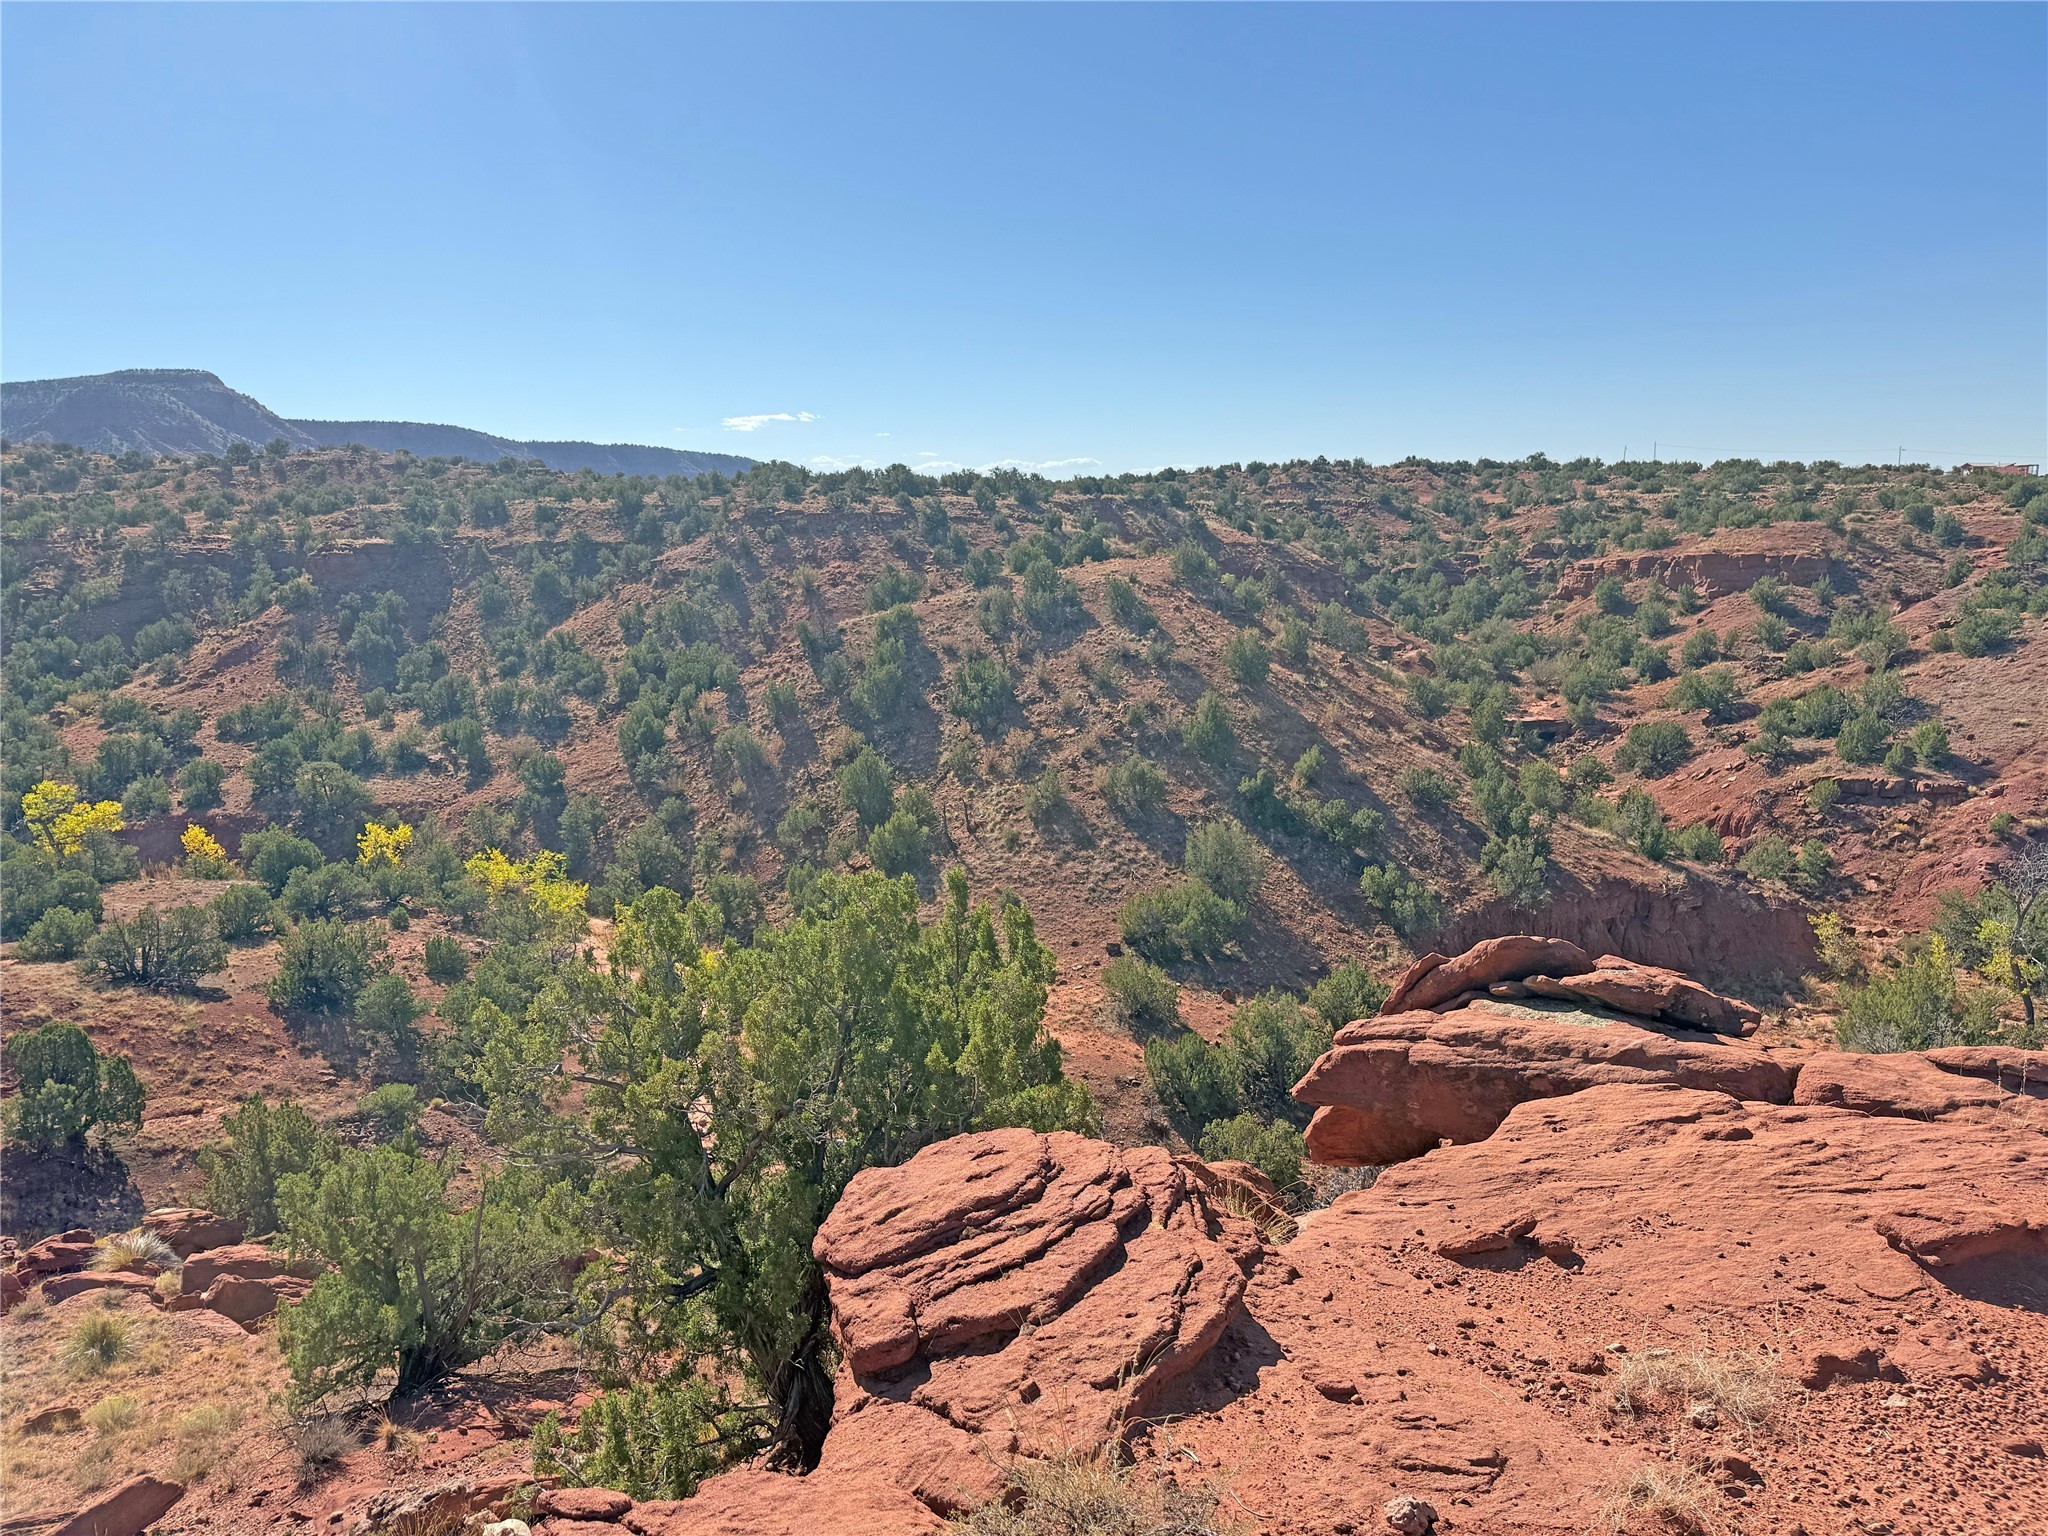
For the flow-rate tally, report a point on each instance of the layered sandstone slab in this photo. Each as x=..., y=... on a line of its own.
x=1389, y=1089
x=1033, y=1290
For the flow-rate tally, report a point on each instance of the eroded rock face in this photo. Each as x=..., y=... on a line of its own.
x=1032, y=1290
x=1389, y=1089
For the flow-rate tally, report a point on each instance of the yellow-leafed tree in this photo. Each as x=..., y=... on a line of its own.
x=60, y=821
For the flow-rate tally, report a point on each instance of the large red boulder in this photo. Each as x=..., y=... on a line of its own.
x=1650, y=991
x=188, y=1231
x=248, y=1302
x=1457, y=1333
x=1435, y=980
x=1393, y=1088
x=1039, y=1287
x=246, y=1261
x=942, y=1466
x=128, y=1510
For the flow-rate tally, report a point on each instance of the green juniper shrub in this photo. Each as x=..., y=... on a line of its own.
x=1191, y=1079
x=1700, y=843
x=168, y=950
x=1246, y=658
x=1641, y=824
x=324, y=964
x=1349, y=992
x=443, y=960
x=1428, y=790
x=1654, y=748
x=1184, y=920
x=1141, y=996
x=1208, y=733
x=1226, y=858
x=1134, y=786
x=1916, y=1004
x=1409, y=906
x=1769, y=858
x=1862, y=740
x=59, y=934
x=65, y=1089
x=1273, y=1147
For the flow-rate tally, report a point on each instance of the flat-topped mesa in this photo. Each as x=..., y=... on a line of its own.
x=1462, y=1040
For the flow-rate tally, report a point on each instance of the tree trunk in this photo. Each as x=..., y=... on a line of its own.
x=802, y=1390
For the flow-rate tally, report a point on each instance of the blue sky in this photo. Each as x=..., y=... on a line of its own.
x=1074, y=237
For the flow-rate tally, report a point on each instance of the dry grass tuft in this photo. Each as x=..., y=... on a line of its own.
x=1275, y=1226
x=96, y=1344
x=1741, y=1388
x=1659, y=1496
x=122, y=1250
x=321, y=1442
x=1099, y=1494
x=111, y=1415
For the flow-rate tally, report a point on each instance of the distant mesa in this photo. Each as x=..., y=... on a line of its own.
x=188, y=411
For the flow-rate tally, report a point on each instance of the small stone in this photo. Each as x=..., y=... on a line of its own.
x=1409, y=1515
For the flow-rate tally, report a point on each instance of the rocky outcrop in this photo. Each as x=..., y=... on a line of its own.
x=1795, y=553
x=1029, y=1290
x=1461, y=1040
x=1434, y=980
x=1389, y=1089
x=242, y=1261
x=1708, y=927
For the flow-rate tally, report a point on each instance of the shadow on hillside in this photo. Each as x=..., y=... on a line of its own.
x=56, y=1189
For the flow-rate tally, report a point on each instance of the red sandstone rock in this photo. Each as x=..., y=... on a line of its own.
x=12, y=1289
x=1394, y=1088
x=1433, y=980
x=1680, y=1220
x=756, y=1503
x=1843, y=1360
x=2016, y=1071
x=1908, y=1084
x=63, y=1287
x=247, y=1261
x=582, y=1503
x=942, y=1466
x=1652, y=992
x=1046, y=1285
x=189, y=1231
x=56, y=1255
x=129, y=1510
x=247, y=1301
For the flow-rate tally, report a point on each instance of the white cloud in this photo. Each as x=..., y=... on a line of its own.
x=756, y=422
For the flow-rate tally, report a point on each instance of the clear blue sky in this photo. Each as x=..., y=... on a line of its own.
x=1059, y=234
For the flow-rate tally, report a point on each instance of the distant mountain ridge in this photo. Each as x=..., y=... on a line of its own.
x=188, y=411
